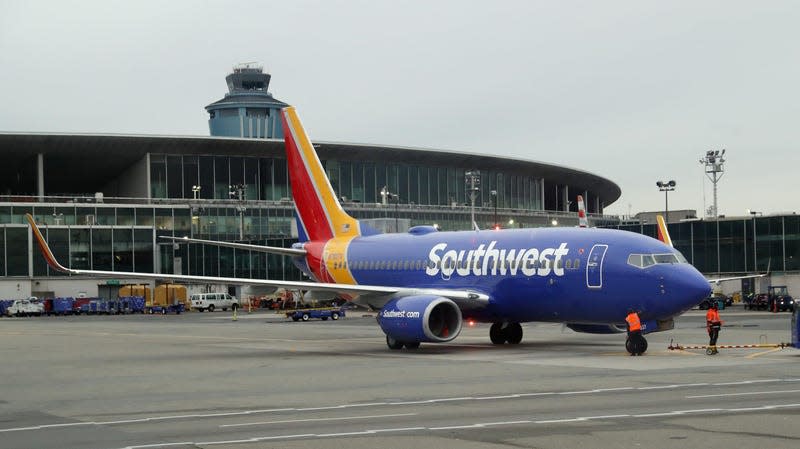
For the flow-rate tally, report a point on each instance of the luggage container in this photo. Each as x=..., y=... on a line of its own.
x=80, y=305
x=63, y=306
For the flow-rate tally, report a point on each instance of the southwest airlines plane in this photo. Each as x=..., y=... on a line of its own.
x=426, y=283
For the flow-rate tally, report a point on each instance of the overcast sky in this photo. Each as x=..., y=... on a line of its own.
x=634, y=91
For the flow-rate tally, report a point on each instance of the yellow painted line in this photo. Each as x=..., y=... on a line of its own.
x=752, y=356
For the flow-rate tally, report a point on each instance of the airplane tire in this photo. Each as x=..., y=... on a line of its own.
x=412, y=345
x=393, y=344
x=514, y=333
x=636, y=347
x=497, y=334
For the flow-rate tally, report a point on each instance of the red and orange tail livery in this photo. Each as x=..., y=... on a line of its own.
x=663, y=232
x=320, y=216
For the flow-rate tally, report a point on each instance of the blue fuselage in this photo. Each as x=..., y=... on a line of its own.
x=569, y=275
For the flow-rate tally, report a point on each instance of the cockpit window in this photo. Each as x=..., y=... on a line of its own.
x=646, y=260
x=635, y=260
x=665, y=258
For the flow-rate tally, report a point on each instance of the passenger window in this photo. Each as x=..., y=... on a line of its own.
x=577, y=263
x=568, y=265
x=559, y=263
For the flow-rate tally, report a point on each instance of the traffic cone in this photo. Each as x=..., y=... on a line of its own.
x=235, y=316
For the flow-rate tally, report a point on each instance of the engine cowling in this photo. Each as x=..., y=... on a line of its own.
x=597, y=328
x=421, y=318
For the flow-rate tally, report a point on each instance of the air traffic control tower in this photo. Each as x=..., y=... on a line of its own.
x=248, y=109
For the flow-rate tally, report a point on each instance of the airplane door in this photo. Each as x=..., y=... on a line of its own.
x=594, y=266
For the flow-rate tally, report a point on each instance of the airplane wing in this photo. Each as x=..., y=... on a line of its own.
x=733, y=278
x=373, y=295
x=246, y=246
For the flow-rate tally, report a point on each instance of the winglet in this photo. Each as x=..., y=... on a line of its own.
x=44, y=247
x=663, y=232
x=582, y=221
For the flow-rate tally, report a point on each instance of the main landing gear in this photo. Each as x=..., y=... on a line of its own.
x=397, y=344
x=636, y=346
x=503, y=332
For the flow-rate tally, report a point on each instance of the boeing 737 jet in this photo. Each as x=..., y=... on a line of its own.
x=425, y=283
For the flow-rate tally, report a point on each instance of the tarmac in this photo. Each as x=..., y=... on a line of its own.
x=203, y=380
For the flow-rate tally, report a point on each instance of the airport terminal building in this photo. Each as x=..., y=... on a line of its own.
x=104, y=200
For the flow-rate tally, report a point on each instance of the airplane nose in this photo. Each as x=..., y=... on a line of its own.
x=696, y=287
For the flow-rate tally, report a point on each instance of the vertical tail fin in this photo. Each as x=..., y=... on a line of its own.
x=663, y=232
x=582, y=221
x=318, y=210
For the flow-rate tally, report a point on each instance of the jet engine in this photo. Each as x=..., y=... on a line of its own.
x=421, y=318
x=597, y=328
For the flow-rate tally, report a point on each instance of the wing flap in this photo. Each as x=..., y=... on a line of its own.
x=245, y=246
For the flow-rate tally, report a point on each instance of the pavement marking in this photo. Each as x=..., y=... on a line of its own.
x=758, y=354
x=750, y=393
x=389, y=403
x=472, y=426
x=343, y=418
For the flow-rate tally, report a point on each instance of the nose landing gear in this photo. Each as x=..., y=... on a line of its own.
x=636, y=345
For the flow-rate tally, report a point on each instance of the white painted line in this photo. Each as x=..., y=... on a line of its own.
x=399, y=429
x=664, y=387
x=746, y=382
x=749, y=393
x=377, y=404
x=144, y=446
x=503, y=423
x=470, y=426
x=554, y=421
x=343, y=418
x=608, y=416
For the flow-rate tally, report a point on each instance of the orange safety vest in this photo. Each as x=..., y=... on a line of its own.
x=712, y=316
x=633, y=322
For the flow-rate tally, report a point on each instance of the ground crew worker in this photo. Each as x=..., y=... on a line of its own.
x=634, y=332
x=713, y=325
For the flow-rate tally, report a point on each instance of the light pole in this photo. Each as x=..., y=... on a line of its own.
x=666, y=187
x=714, y=162
x=494, y=203
x=755, y=260
x=196, y=192
x=238, y=191
x=396, y=199
x=472, y=178
x=386, y=195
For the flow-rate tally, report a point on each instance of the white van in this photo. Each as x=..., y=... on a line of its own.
x=213, y=301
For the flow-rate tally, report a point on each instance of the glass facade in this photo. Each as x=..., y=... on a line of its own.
x=126, y=238
x=756, y=244
x=267, y=179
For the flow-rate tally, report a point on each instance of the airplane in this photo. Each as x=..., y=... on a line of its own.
x=426, y=283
